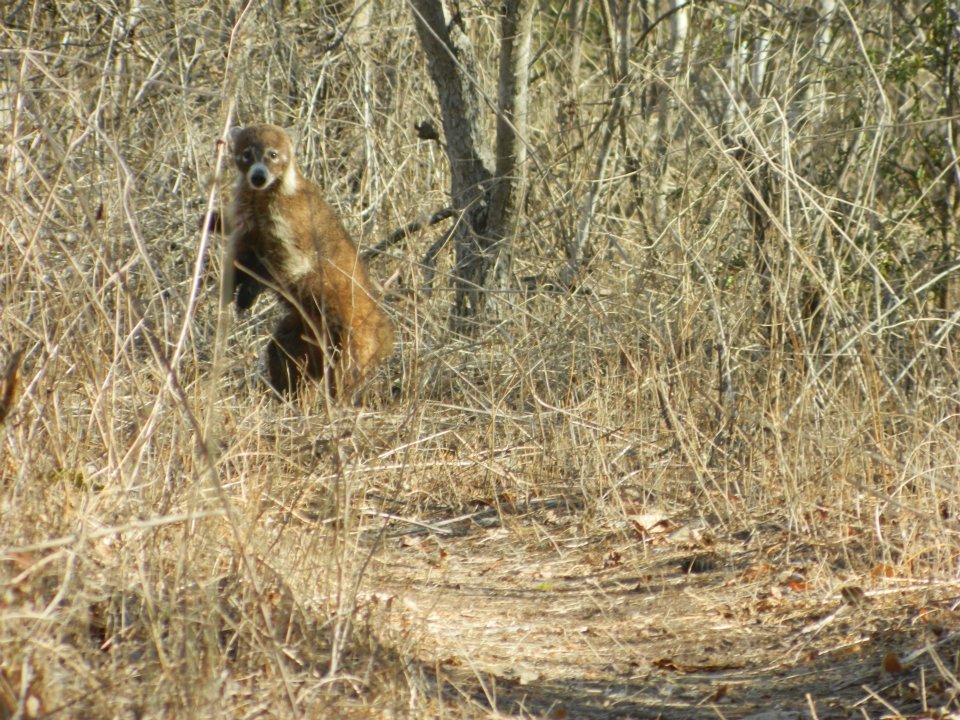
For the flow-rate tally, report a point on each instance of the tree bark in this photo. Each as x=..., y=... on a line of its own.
x=510, y=181
x=487, y=191
x=618, y=22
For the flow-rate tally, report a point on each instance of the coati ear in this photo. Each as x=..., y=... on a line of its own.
x=233, y=136
x=293, y=135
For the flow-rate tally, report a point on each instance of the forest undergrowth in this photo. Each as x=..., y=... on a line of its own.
x=702, y=463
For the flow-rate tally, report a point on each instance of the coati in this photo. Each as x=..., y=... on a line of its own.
x=287, y=238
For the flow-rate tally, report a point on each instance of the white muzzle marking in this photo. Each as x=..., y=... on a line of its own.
x=259, y=177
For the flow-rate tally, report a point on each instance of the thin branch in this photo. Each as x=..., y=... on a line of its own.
x=406, y=231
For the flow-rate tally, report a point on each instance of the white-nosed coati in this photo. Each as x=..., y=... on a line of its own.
x=286, y=237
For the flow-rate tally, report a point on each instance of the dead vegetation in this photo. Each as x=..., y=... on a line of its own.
x=705, y=466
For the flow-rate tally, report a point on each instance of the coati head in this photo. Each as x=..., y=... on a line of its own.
x=264, y=155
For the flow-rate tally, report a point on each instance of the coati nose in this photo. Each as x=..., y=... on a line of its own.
x=258, y=178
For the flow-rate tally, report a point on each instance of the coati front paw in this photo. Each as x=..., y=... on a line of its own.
x=246, y=283
x=246, y=290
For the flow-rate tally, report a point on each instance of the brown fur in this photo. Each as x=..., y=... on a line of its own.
x=288, y=238
x=8, y=385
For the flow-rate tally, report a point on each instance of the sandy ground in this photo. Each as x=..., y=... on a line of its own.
x=676, y=622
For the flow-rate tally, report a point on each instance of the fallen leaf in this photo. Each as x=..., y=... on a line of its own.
x=892, y=664
x=755, y=572
x=691, y=534
x=720, y=693
x=882, y=571
x=666, y=664
x=612, y=560
x=853, y=595
x=651, y=522
x=648, y=526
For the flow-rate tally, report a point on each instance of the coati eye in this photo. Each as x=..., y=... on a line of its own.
x=246, y=155
x=273, y=154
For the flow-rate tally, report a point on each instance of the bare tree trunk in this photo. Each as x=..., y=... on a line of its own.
x=510, y=183
x=575, y=33
x=618, y=22
x=452, y=67
x=363, y=22
x=674, y=68
x=736, y=72
x=488, y=193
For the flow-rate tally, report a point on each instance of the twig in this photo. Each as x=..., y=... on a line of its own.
x=77, y=537
x=406, y=231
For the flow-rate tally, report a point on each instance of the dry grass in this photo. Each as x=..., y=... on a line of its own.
x=174, y=542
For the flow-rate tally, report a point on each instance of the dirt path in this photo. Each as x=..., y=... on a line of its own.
x=532, y=620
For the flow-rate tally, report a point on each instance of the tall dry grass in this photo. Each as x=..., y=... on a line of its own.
x=762, y=329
